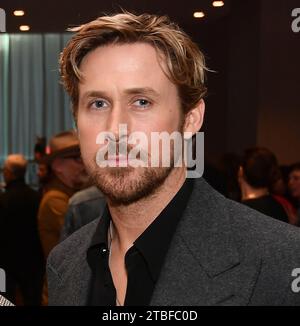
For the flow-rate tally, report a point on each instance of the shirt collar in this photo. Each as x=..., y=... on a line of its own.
x=100, y=236
x=154, y=242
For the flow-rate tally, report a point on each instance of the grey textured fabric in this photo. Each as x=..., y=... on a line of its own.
x=84, y=195
x=4, y=302
x=222, y=253
x=84, y=207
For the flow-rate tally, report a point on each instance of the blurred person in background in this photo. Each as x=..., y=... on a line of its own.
x=20, y=249
x=67, y=176
x=279, y=190
x=43, y=170
x=40, y=148
x=44, y=176
x=2, y=183
x=294, y=186
x=258, y=171
x=84, y=207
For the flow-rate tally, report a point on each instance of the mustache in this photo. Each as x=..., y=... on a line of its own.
x=116, y=148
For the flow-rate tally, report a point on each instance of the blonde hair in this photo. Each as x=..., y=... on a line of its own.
x=185, y=62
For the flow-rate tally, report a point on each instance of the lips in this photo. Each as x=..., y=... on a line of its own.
x=117, y=160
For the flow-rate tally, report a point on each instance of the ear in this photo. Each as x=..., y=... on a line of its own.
x=194, y=118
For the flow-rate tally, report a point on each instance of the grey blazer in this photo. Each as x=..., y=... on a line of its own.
x=222, y=253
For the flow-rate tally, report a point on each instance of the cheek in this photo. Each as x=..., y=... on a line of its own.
x=170, y=121
x=162, y=122
x=87, y=134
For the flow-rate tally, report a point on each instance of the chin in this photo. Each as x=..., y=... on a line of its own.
x=125, y=186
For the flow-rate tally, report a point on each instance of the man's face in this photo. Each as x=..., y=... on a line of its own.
x=70, y=171
x=125, y=84
x=294, y=184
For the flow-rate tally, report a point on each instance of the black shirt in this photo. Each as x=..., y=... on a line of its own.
x=143, y=261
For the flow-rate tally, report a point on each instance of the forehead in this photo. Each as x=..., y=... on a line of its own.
x=125, y=65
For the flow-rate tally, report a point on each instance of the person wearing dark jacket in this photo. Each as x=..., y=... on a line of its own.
x=20, y=250
x=258, y=171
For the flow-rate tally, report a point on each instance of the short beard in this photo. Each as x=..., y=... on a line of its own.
x=121, y=188
x=127, y=185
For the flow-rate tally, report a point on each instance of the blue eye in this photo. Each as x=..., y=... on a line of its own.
x=98, y=104
x=142, y=103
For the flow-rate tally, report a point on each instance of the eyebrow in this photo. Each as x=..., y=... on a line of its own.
x=129, y=91
x=142, y=90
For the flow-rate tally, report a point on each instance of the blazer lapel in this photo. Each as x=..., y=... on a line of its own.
x=203, y=265
x=72, y=283
x=83, y=282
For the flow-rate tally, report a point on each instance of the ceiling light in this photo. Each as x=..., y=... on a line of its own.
x=19, y=13
x=218, y=3
x=24, y=28
x=199, y=14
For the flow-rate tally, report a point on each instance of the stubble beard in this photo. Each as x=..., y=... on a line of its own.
x=127, y=185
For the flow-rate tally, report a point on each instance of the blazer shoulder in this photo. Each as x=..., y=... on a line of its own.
x=277, y=245
x=68, y=272
x=252, y=226
x=86, y=195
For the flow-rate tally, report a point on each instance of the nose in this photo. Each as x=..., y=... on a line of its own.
x=118, y=121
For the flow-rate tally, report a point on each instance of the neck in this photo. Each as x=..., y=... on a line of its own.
x=249, y=192
x=129, y=222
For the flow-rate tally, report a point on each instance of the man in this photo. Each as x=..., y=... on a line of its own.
x=258, y=172
x=163, y=239
x=20, y=249
x=68, y=176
